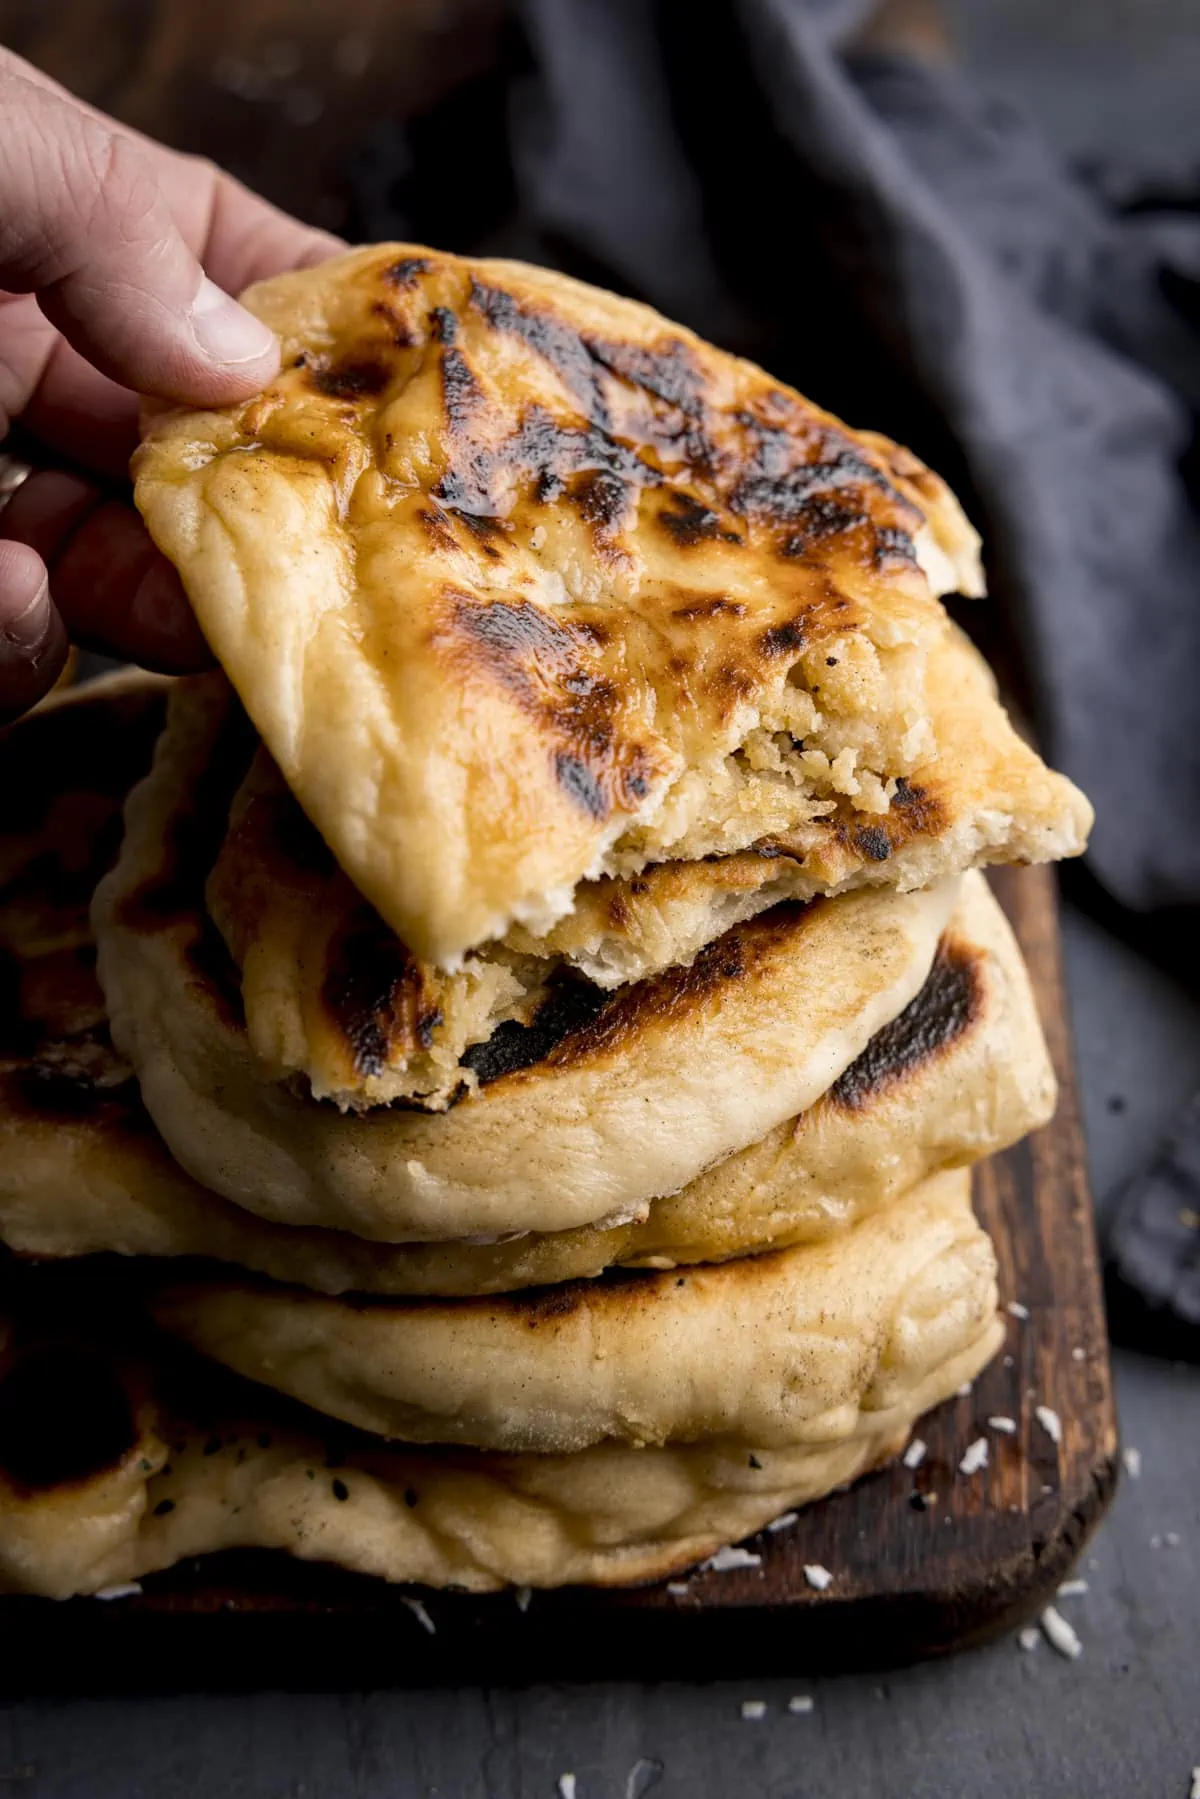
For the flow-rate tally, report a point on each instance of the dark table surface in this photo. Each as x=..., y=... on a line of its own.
x=1124, y=1719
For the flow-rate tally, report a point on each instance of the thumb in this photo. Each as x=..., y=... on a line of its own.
x=86, y=229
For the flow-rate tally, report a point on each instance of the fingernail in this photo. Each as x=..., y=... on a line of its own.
x=225, y=331
x=25, y=621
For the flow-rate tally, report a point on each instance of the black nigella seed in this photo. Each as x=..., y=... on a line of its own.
x=340, y=1490
x=264, y=1439
x=754, y=1462
x=212, y=1446
x=410, y=1497
x=163, y=1507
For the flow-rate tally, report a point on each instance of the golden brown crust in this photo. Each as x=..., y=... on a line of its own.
x=766, y=1349
x=115, y=1462
x=519, y=582
x=688, y=1066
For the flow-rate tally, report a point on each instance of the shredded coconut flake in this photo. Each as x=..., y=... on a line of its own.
x=754, y=1709
x=1030, y=1637
x=1050, y=1422
x=1007, y=1425
x=1072, y=1589
x=731, y=1557
x=800, y=1704
x=678, y=1589
x=127, y=1589
x=420, y=1614
x=566, y=1786
x=1132, y=1458
x=1059, y=1634
x=975, y=1458
x=522, y=1596
x=914, y=1455
x=817, y=1577
x=784, y=1521
x=1015, y=1309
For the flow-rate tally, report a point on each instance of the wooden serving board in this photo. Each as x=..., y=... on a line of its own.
x=923, y=1561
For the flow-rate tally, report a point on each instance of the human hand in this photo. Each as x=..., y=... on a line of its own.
x=105, y=240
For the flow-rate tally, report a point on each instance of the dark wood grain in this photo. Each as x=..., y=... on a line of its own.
x=912, y=1576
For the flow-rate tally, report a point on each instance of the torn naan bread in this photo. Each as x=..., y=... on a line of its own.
x=961, y=1073
x=331, y=996
x=604, y=1102
x=523, y=586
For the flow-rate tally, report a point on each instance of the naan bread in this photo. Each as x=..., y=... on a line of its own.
x=330, y=994
x=522, y=585
x=961, y=1073
x=115, y=1463
x=767, y=1350
x=605, y=1102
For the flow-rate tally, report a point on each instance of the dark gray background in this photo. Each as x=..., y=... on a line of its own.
x=1122, y=78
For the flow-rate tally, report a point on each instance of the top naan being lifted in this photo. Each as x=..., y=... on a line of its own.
x=522, y=585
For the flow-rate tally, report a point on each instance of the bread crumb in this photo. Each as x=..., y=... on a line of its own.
x=784, y=1521
x=1132, y=1459
x=1059, y=1634
x=975, y=1458
x=1015, y=1309
x=817, y=1577
x=914, y=1455
x=1050, y=1422
x=678, y=1589
x=1072, y=1589
x=128, y=1589
x=753, y=1709
x=566, y=1786
x=419, y=1613
x=730, y=1557
x=522, y=1596
x=1030, y=1637
x=800, y=1704
x=1007, y=1425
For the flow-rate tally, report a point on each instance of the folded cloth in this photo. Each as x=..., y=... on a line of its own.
x=912, y=255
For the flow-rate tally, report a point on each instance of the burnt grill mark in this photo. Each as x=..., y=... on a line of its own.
x=551, y=338
x=948, y=1006
x=579, y=1020
x=512, y=1046
x=407, y=271
x=824, y=517
x=64, y=1416
x=670, y=372
x=890, y=543
x=873, y=841
x=600, y=497
x=374, y=992
x=689, y=522
x=783, y=640
x=545, y=667
x=542, y=452
x=717, y=607
x=462, y=395
x=351, y=380
x=576, y=778
x=443, y=325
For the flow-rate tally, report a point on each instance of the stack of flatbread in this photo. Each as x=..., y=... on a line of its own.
x=540, y=1007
